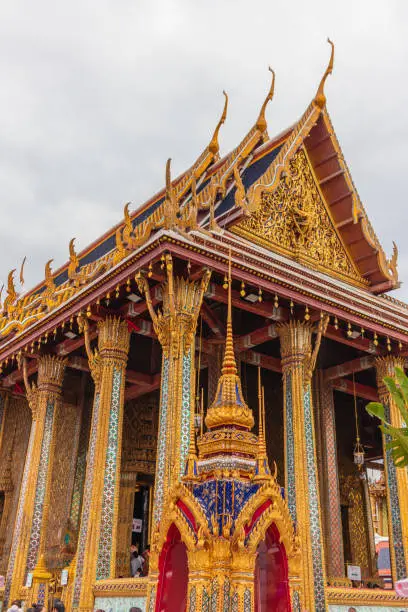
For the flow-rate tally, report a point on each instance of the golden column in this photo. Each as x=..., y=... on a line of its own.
x=28, y=544
x=175, y=326
x=96, y=552
x=301, y=480
x=396, y=479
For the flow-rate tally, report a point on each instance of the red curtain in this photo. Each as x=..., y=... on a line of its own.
x=271, y=575
x=173, y=574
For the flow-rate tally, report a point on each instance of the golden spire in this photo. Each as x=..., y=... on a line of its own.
x=263, y=470
x=214, y=146
x=22, y=271
x=229, y=364
x=229, y=408
x=320, y=98
x=261, y=124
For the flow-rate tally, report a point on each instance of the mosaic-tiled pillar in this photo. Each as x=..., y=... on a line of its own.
x=301, y=480
x=175, y=326
x=334, y=534
x=96, y=550
x=28, y=544
x=396, y=479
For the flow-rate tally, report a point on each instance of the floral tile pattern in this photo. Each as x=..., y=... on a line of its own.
x=40, y=490
x=162, y=443
x=86, y=506
x=108, y=498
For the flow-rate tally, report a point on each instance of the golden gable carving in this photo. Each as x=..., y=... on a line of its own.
x=294, y=220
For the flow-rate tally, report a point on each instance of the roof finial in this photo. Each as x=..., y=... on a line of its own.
x=320, y=98
x=214, y=146
x=22, y=271
x=168, y=178
x=229, y=365
x=261, y=124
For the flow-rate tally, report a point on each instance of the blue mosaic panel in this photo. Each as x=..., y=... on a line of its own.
x=296, y=602
x=162, y=443
x=234, y=602
x=214, y=595
x=290, y=450
x=223, y=497
x=42, y=589
x=192, y=604
x=247, y=601
x=395, y=508
x=86, y=505
x=40, y=489
x=206, y=602
x=226, y=596
x=18, y=524
x=185, y=411
x=314, y=519
x=108, y=499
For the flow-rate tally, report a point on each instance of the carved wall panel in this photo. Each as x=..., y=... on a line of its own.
x=140, y=434
x=352, y=497
x=18, y=421
x=294, y=220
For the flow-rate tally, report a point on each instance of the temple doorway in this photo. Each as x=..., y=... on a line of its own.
x=173, y=576
x=271, y=575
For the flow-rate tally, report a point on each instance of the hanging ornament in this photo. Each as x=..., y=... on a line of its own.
x=399, y=344
x=150, y=272
x=388, y=344
x=225, y=283
x=55, y=333
x=336, y=323
x=71, y=321
x=260, y=298
x=349, y=331
x=242, y=292
x=162, y=260
x=358, y=453
x=107, y=298
x=188, y=267
x=276, y=301
x=117, y=291
x=362, y=331
x=98, y=301
x=291, y=306
x=375, y=339
x=88, y=311
x=307, y=315
x=128, y=285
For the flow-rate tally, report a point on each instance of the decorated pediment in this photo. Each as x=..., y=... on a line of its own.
x=294, y=220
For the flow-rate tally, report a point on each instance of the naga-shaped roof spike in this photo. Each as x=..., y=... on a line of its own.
x=261, y=124
x=168, y=178
x=48, y=273
x=214, y=146
x=320, y=98
x=22, y=270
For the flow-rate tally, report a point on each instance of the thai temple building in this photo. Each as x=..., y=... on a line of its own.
x=195, y=382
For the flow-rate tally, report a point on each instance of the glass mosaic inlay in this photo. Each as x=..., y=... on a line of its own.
x=162, y=443
x=108, y=500
x=40, y=490
x=86, y=506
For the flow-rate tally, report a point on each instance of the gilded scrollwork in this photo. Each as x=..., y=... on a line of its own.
x=293, y=219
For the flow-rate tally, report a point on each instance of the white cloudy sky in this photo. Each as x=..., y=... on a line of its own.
x=95, y=95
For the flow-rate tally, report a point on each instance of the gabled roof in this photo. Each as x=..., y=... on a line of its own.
x=218, y=192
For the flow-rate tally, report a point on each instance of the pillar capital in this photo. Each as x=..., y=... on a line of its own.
x=113, y=340
x=385, y=366
x=51, y=370
x=296, y=342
